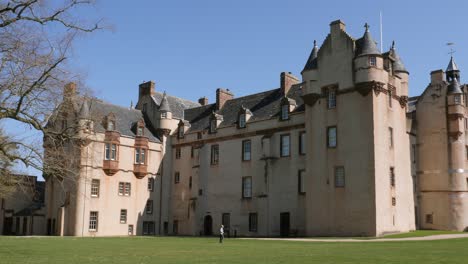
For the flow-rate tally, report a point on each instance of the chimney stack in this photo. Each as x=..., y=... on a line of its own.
x=146, y=88
x=69, y=90
x=287, y=80
x=336, y=27
x=437, y=76
x=203, y=100
x=222, y=96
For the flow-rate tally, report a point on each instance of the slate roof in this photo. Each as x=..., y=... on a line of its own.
x=177, y=105
x=366, y=45
x=398, y=65
x=312, y=61
x=412, y=101
x=125, y=118
x=452, y=66
x=264, y=105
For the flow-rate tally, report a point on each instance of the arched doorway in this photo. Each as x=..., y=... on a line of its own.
x=208, y=224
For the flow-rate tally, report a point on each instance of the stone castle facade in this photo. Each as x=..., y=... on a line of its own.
x=342, y=151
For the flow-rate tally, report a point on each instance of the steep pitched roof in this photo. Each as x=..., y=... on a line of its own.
x=264, y=105
x=398, y=65
x=125, y=118
x=366, y=45
x=177, y=105
x=452, y=66
x=164, y=106
x=312, y=61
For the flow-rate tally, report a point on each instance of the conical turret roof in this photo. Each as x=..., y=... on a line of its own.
x=312, y=61
x=366, y=45
x=452, y=66
x=84, y=110
x=164, y=105
x=398, y=65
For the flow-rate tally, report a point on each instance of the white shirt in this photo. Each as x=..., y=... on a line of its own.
x=221, y=231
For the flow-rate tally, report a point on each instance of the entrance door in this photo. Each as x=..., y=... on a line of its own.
x=284, y=224
x=8, y=226
x=208, y=223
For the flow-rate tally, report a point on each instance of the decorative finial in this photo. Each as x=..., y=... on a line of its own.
x=131, y=104
x=315, y=43
x=393, y=45
x=367, y=27
x=452, y=51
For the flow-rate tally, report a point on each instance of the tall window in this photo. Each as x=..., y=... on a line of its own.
x=331, y=137
x=247, y=187
x=176, y=177
x=213, y=125
x=181, y=132
x=285, y=145
x=93, y=221
x=123, y=216
x=149, y=207
x=302, y=143
x=125, y=188
x=110, y=125
x=214, y=154
x=95, y=187
x=339, y=177
x=246, y=150
x=253, y=222
x=148, y=227
x=110, y=151
x=242, y=120
x=178, y=153
x=285, y=112
x=392, y=176
x=331, y=102
x=190, y=183
x=390, y=137
x=457, y=99
x=300, y=182
x=390, y=94
x=139, y=131
x=140, y=156
x=372, y=61
x=175, y=227
x=150, y=184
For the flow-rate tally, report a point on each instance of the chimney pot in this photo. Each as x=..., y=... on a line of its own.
x=146, y=88
x=287, y=80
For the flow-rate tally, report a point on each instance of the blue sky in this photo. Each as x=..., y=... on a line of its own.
x=190, y=48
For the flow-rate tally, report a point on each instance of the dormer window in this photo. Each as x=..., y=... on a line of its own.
x=180, y=132
x=372, y=61
x=110, y=125
x=242, y=120
x=140, y=131
x=285, y=112
x=213, y=126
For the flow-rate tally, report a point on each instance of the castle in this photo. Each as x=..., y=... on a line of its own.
x=341, y=152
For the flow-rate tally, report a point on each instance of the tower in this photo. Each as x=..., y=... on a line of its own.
x=358, y=172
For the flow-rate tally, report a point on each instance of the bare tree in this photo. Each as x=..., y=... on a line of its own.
x=35, y=41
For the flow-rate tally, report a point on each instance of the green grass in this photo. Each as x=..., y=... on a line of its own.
x=207, y=250
x=423, y=233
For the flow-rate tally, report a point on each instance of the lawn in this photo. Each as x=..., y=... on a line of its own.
x=208, y=250
x=422, y=233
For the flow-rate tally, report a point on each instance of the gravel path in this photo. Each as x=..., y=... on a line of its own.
x=434, y=237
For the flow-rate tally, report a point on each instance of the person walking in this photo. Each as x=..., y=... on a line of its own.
x=221, y=234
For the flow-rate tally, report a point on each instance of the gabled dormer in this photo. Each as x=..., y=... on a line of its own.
x=182, y=128
x=215, y=121
x=287, y=105
x=243, y=117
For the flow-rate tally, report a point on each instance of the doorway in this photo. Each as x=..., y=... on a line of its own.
x=284, y=224
x=8, y=226
x=208, y=224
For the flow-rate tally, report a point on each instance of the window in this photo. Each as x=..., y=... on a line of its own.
x=140, y=156
x=140, y=131
x=213, y=124
x=93, y=221
x=242, y=120
x=429, y=218
x=110, y=125
x=123, y=216
x=253, y=222
x=226, y=221
x=214, y=154
x=148, y=228
x=180, y=132
x=390, y=135
x=300, y=182
x=285, y=112
x=339, y=177
x=246, y=150
x=178, y=153
x=192, y=152
x=331, y=102
x=175, y=227
x=95, y=187
x=413, y=148
x=110, y=151
x=302, y=143
x=247, y=187
x=199, y=135
x=390, y=95
x=190, y=182
x=331, y=137
x=284, y=145
x=176, y=177
x=372, y=61
x=164, y=115
x=150, y=184
x=392, y=176
x=149, y=207
x=393, y=201
x=457, y=99
x=200, y=192
x=124, y=188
